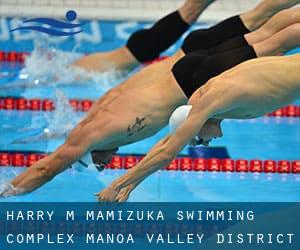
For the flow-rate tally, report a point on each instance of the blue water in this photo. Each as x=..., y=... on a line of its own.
x=263, y=138
x=169, y=186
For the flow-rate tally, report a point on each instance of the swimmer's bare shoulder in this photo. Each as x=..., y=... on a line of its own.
x=273, y=73
x=273, y=78
x=217, y=95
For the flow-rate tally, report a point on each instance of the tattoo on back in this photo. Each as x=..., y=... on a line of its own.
x=137, y=126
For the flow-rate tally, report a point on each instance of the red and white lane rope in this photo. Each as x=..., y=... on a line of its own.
x=21, y=159
x=19, y=57
x=36, y=104
x=13, y=103
x=13, y=56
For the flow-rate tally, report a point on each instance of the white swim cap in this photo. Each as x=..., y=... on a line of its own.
x=178, y=117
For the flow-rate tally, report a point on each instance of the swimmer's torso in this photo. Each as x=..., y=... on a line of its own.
x=260, y=86
x=154, y=90
x=143, y=103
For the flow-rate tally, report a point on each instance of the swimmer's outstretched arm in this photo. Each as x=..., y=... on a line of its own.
x=43, y=171
x=163, y=153
x=81, y=139
x=159, y=157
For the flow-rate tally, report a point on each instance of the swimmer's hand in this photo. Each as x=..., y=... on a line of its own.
x=111, y=194
x=124, y=194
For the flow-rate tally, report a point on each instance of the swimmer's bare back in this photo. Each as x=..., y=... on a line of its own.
x=255, y=87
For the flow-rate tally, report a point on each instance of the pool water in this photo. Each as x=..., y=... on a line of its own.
x=263, y=138
x=72, y=186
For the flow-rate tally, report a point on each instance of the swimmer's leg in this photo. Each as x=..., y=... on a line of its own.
x=256, y=17
x=233, y=28
x=147, y=44
x=279, y=43
x=278, y=22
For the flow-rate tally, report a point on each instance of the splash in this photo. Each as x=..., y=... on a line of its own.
x=59, y=122
x=8, y=190
x=48, y=66
x=63, y=119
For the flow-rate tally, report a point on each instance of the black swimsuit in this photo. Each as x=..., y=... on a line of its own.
x=210, y=52
x=195, y=69
x=204, y=39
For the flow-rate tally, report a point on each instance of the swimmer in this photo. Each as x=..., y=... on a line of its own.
x=147, y=44
x=278, y=22
x=137, y=109
x=276, y=83
x=142, y=46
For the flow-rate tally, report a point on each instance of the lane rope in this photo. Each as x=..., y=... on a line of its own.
x=13, y=56
x=84, y=105
x=19, y=57
x=26, y=159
